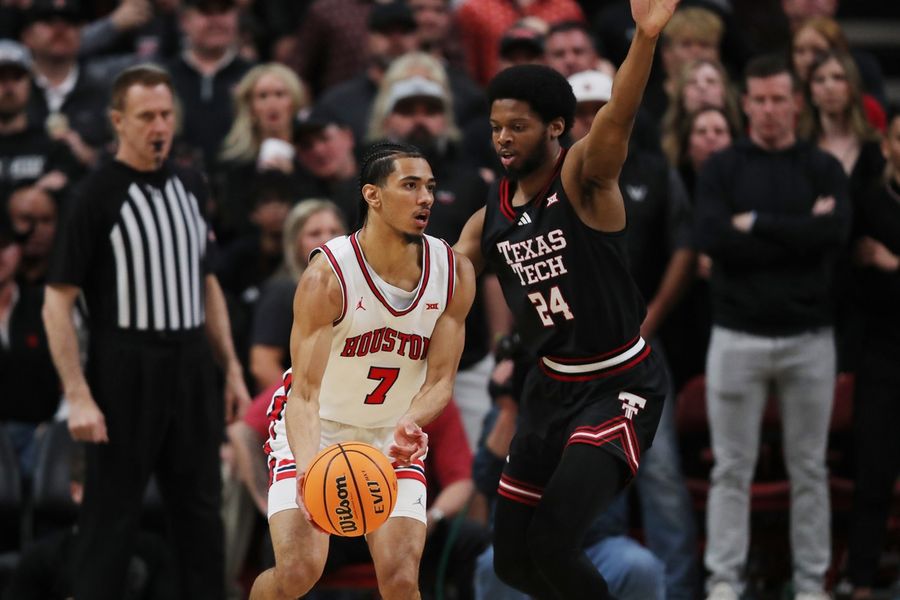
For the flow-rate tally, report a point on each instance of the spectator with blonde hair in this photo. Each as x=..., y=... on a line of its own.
x=261, y=141
x=693, y=33
x=266, y=101
x=700, y=83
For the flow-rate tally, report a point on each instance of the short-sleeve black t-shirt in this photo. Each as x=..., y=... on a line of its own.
x=136, y=243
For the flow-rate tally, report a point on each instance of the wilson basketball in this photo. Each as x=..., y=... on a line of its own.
x=350, y=489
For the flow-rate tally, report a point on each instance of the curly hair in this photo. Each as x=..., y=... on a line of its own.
x=546, y=91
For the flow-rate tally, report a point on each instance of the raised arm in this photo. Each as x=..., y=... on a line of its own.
x=444, y=351
x=317, y=303
x=591, y=170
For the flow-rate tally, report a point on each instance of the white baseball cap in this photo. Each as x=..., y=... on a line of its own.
x=591, y=86
x=415, y=87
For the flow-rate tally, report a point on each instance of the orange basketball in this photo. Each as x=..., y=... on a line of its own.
x=350, y=489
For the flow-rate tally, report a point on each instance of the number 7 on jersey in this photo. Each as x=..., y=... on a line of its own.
x=386, y=377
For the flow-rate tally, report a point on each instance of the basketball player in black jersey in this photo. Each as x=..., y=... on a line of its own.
x=554, y=232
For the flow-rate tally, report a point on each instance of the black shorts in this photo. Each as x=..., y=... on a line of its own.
x=618, y=413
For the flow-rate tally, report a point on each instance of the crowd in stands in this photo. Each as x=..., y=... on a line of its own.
x=762, y=189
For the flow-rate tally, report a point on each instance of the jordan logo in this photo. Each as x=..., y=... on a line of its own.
x=359, y=305
x=431, y=306
x=553, y=199
x=419, y=501
x=632, y=404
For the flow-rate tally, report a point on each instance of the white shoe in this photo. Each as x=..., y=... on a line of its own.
x=722, y=591
x=812, y=596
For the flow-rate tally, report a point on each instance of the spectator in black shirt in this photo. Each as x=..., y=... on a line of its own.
x=772, y=213
x=325, y=149
x=34, y=214
x=30, y=386
x=27, y=154
x=206, y=74
x=310, y=224
x=135, y=243
x=65, y=99
x=877, y=393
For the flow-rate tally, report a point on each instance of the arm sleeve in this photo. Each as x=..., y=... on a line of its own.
x=80, y=231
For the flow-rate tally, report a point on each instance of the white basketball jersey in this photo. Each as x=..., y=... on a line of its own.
x=377, y=361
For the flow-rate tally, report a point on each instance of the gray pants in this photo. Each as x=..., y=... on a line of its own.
x=741, y=370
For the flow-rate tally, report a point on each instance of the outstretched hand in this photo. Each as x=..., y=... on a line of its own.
x=651, y=16
x=410, y=442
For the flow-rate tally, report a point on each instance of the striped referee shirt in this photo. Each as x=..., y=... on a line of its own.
x=136, y=244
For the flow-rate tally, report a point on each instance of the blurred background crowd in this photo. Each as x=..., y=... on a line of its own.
x=277, y=100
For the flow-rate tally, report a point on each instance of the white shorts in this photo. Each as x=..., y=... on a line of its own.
x=411, y=483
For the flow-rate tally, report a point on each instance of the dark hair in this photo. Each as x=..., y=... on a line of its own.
x=145, y=74
x=571, y=25
x=545, y=90
x=377, y=166
x=770, y=65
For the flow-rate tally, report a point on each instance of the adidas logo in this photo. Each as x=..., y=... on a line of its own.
x=637, y=192
x=524, y=219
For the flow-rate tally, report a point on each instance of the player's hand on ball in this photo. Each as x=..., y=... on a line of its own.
x=301, y=502
x=410, y=442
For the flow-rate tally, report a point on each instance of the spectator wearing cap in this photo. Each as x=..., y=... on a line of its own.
x=661, y=259
x=27, y=154
x=65, y=98
x=325, y=150
x=592, y=91
x=205, y=74
x=484, y=22
x=523, y=43
x=417, y=110
x=438, y=34
x=31, y=389
x=391, y=33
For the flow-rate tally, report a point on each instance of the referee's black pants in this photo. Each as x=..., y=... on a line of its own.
x=164, y=416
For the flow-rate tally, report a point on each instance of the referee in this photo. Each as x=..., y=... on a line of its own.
x=135, y=244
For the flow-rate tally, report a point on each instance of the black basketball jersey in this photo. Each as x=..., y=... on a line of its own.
x=567, y=285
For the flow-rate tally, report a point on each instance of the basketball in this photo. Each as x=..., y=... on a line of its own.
x=350, y=489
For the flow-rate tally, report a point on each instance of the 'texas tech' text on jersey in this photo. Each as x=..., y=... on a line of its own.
x=567, y=284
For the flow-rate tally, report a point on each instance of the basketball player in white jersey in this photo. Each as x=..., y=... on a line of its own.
x=377, y=336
